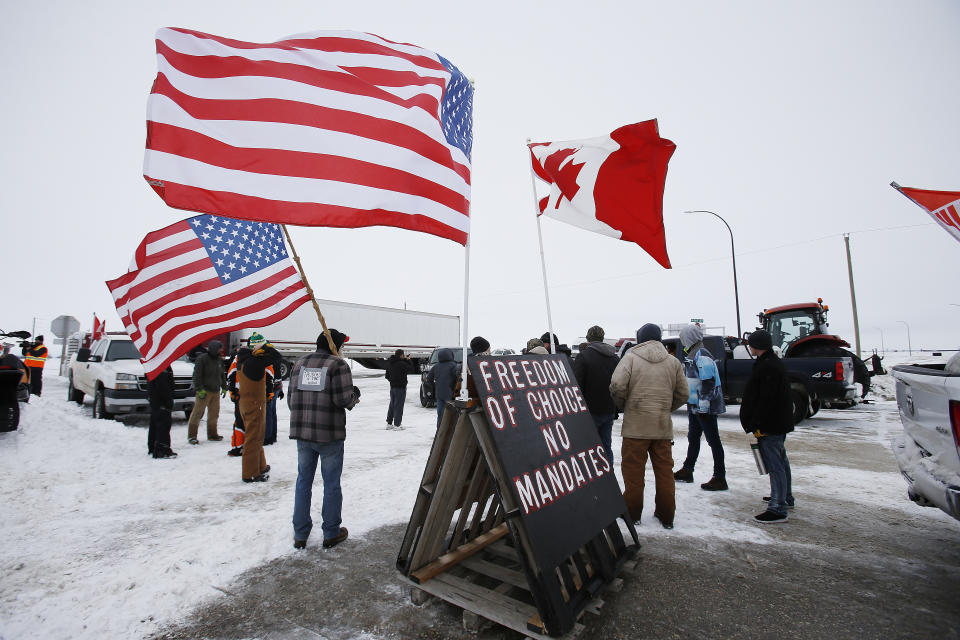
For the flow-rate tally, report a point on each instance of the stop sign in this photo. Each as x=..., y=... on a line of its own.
x=63, y=326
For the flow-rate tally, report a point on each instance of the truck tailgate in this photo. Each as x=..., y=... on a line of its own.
x=924, y=404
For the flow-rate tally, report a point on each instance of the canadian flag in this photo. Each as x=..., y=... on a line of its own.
x=943, y=206
x=612, y=184
x=98, y=328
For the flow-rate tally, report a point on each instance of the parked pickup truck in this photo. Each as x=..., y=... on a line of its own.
x=815, y=382
x=928, y=450
x=111, y=373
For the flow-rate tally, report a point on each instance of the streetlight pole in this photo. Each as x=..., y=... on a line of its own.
x=909, y=346
x=733, y=255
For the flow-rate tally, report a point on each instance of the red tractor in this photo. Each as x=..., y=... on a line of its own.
x=801, y=331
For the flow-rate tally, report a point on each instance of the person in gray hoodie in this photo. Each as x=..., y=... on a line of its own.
x=443, y=376
x=703, y=406
x=648, y=385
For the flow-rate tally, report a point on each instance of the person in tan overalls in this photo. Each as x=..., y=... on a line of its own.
x=255, y=383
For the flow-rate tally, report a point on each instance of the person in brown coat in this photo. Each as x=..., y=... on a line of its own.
x=255, y=382
x=647, y=385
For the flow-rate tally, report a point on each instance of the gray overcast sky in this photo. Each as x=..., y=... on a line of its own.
x=790, y=120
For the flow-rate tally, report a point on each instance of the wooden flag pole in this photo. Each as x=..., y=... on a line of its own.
x=313, y=299
x=543, y=262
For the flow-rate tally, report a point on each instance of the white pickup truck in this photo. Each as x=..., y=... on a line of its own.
x=928, y=450
x=111, y=373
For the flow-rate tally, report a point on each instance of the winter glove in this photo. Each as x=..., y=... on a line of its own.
x=234, y=396
x=280, y=393
x=704, y=405
x=757, y=434
x=223, y=393
x=202, y=394
x=356, y=398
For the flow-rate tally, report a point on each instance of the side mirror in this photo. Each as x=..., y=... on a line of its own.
x=96, y=358
x=83, y=355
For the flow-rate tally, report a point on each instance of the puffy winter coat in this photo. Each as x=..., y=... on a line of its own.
x=593, y=368
x=647, y=385
x=703, y=380
x=444, y=375
x=767, y=406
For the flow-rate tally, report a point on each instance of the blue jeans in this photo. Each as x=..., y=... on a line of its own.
x=704, y=424
x=604, y=424
x=441, y=406
x=395, y=411
x=330, y=455
x=774, y=455
x=270, y=430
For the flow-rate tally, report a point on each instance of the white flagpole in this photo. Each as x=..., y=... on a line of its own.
x=466, y=302
x=464, y=393
x=543, y=262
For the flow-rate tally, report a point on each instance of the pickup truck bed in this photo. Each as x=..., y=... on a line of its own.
x=928, y=450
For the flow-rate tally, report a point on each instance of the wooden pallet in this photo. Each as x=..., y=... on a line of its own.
x=464, y=545
x=490, y=587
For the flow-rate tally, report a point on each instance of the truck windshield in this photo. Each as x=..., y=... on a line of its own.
x=122, y=350
x=787, y=328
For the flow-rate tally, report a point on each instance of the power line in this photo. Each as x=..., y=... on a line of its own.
x=579, y=283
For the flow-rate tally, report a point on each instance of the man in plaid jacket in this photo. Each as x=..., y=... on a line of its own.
x=319, y=393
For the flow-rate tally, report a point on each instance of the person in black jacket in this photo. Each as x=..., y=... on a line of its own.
x=160, y=394
x=767, y=413
x=593, y=367
x=398, y=368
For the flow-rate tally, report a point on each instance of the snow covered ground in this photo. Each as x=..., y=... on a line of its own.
x=102, y=541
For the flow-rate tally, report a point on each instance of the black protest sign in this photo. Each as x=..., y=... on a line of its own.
x=559, y=471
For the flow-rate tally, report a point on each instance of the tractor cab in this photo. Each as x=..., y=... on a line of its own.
x=798, y=327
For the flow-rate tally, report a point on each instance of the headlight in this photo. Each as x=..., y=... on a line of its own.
x=126, y=381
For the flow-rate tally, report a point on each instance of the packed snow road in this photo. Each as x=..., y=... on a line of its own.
x=102, y=541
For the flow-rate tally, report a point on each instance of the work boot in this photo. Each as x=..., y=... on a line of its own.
x=216, y=438
x=337, y=539
x=299, y=544
x=715, y=484
x=684, y=475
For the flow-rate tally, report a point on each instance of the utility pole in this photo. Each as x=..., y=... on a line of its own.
x=853, y=294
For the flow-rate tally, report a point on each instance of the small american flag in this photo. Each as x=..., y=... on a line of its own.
x=201, y=277
x=333, y=128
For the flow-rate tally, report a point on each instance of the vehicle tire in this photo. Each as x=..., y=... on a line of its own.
x=424, y=401
x=187, y=412
x=814, y=405
x=72, y=394
x=285, y=368
x=100, y=406
x=801, y=406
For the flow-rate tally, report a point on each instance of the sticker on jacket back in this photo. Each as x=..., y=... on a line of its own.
x=313, y=379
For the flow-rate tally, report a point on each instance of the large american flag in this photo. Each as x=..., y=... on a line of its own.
x=202, y=277
x=332, y=128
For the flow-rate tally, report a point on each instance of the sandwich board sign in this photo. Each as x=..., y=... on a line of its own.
x=558, y=470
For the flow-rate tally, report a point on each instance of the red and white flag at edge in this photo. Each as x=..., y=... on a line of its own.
x=99, y=328
x=943, y=206
x=611, y=185
x=201, y=277
x=332, y=128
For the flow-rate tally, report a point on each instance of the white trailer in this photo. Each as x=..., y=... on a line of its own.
x=375, y=332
